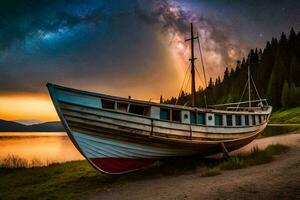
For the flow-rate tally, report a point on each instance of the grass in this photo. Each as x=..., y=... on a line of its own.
x=288, y=116
x=58, y=181
x=282, y=122
x=278, y=130
x=256, y=157
x=233, y=163
x=211, y=172
x=13, y=161
x=73, y=180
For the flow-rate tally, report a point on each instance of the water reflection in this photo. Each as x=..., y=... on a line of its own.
x=52, y=147
x=45, y=147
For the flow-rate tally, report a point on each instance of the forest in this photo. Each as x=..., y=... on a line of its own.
x=275, y=71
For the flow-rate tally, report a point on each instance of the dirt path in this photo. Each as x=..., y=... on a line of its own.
x=279, y=179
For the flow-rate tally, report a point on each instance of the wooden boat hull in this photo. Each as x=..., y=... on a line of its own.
x=118, y=142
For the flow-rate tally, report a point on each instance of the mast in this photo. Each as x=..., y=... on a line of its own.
x=249, y=85
x=192, y=59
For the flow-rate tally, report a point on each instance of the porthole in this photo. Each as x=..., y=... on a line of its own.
x=186, y=116
x=210, y=117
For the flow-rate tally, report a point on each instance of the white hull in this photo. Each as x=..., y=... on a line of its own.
x=119, y=141
x=96, y=147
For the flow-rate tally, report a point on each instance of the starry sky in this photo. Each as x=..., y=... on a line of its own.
x=123, y=47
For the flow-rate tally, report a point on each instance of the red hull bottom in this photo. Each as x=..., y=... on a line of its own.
x=121, y=165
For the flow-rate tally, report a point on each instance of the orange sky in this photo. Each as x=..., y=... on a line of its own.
x=27, y=107
x=38, y=107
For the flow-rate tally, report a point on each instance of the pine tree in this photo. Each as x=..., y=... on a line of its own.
x=292, y=35
x=226, y=74
x=219, y=80
x=285, y=95
x=275, y=71
x=210, y=83
x=276, y=82
x=295, y=71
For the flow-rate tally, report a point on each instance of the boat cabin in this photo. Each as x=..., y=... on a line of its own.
x=199, y=117
x=119, y=135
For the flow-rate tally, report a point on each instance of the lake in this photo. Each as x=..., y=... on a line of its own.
x=47, y=147
x=53, y=147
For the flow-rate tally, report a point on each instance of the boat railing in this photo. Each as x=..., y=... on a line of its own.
x=238, y=106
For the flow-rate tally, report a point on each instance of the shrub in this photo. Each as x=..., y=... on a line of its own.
x=211, y=172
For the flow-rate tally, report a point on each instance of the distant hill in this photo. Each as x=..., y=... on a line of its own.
x=10, y=126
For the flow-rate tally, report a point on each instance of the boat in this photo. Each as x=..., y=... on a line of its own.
x=119, y=135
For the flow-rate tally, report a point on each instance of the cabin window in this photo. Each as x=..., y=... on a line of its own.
x=218, y=120
x=193, y=117
x=201, y=118
x=176, y=115
x=165, y=114
x=108, y=104
x=139, y=109
x=229, y=120
x=122, y=106
x=259, y=119
x=185, y=116
x=246, y=120
x=253, y=120
x=238, y=120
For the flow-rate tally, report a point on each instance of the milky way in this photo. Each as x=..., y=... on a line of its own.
x=127, y=47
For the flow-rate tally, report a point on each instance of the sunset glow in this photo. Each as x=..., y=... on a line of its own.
x=27, y=107
x=120, y=48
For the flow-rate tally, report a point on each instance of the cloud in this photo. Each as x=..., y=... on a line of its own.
x=106, y=48
x=118, y=47
x=22, y=19
x=217, y=38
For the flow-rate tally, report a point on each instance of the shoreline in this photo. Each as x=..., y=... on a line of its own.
x=77, y=179
x=278, y=125
x=274, y=139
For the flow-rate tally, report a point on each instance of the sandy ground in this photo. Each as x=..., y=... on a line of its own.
x=279, y=179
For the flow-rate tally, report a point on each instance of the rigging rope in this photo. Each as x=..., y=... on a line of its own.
x=247, y=82
x=198, y=73
x=242, y=95
x=202, y=63
x=255, y=88
x=188, y=82
x=186, y=88
x=182, y=84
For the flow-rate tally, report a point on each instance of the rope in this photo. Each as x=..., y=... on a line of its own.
x=202, y=63
x=182, y=84
x=186, y=88
x=242, y=95
x=243, y=102
x=255, y=88
x=198, y=73
x=187, y=82
x=203, y=90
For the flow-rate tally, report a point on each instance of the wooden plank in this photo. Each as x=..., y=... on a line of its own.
x=147, y=131
x=164, y=129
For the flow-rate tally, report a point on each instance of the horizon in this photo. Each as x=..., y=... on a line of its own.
x=120, y=48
